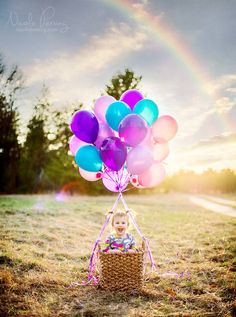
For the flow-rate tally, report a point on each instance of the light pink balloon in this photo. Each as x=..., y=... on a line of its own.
x=75, y=144
x=164, y=129
x=160, y=151
x=103, y=132
x=153, y=176
x=135, y=182
x=101, y=105
x=139, y=159
x=148, y=140
x=90, y=176
x=115, y=181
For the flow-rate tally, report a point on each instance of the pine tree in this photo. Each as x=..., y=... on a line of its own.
x=10, y=149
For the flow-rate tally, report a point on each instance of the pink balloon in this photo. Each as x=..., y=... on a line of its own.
x=90, y=176
x=101, y=105
x=75, y=144
x=135, y=182
x=104, y=132
x=139, y=159
x=160, y=151
x=148, y=140
x=115, y=181
x=153, y=176
x=164, y=129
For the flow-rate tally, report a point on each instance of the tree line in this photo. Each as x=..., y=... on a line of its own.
x=41, y=163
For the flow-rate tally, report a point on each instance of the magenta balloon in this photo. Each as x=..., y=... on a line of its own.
x=75, y=144
x=115, y=181
x=104, y=132
x=153, y=176
x=164, y=129
x=139, y=159
x=131, y=97
x=84, y=125
x=113, y=153
x=160, y=151
x=133, y=129
x=101, y=105
x=90, y=176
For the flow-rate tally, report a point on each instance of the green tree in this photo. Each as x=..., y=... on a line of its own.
x=35, y=149
x=227, y=181
x=10, y=84
x=122, y=82
x=59, y=168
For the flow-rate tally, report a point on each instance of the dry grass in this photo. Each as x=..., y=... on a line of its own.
x=45, y=245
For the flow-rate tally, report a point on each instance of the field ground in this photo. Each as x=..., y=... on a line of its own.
x=45, y=246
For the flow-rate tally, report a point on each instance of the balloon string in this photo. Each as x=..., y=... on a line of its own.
x=121, y=175
x=108, y=178
x=127, y=178
x=112, y=179
x=154, y=267
x=92, y=263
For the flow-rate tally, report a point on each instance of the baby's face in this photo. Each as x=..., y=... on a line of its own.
x=120, y=225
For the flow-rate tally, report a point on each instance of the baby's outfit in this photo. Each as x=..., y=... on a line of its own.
x=121, y=244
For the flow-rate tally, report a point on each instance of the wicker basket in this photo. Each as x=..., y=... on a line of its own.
x=121, y=271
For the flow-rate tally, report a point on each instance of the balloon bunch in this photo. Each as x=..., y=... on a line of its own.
x=122, y=141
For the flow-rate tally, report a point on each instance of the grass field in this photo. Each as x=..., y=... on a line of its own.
x=45, y=246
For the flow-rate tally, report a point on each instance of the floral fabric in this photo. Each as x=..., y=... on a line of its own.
x=121, y=244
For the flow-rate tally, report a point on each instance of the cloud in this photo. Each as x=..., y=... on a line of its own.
x=216, y=124
x=69, y=75
x=215, y=141
x=217, y=152
x=140, y=12
x=223, y=82
x=224, y=90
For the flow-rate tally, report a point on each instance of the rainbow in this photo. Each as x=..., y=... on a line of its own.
x=177, y=48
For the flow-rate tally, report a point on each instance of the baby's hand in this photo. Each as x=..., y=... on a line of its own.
x=131, y=251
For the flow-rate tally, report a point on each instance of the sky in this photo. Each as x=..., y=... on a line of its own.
x=184, y=50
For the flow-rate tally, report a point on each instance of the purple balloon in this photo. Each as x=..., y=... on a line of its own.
x=133, y=129
x=115, y=181
x=113, y=153
x=84, y=125
x=131, y=97
x=104, y=132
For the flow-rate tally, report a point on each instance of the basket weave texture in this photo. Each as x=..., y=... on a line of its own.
x=121, y=271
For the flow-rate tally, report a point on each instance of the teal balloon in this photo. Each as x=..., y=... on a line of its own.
x=147, y=109
x=116, y=112
x=88, y=158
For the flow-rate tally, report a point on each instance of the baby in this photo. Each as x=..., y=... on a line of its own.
x=121, y=241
